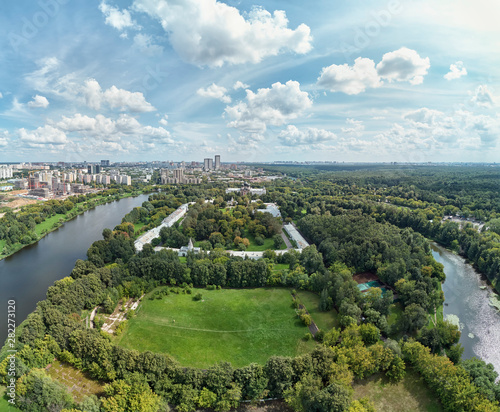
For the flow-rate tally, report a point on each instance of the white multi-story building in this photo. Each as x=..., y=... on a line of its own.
x=5, y=172
x=125, y=180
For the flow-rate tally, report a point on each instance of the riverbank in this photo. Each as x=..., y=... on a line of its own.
x=26, y=276
x=467, y=303
x=55, y=222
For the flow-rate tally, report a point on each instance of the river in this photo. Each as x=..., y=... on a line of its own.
x=464, y=298
x=26, y=275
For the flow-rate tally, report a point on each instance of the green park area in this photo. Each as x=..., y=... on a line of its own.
x=324, y=320
x=240, y=326
x=410, y=394
x=5, y=406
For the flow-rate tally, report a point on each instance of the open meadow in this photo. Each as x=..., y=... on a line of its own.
x=235, y=325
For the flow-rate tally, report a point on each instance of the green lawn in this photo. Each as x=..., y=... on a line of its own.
x=395, y=312
x=409, y=395
x=324, y=320
x=47, y=224
x=5, y=406
x=238, y=326
x=139, y=226
x=268, y=243
x=280, y=266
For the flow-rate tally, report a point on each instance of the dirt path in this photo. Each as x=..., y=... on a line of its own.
x=92, y=316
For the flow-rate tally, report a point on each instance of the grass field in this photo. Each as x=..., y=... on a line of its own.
x=48, y=224
x=280, y=266
x=5, y=406
x=238, y=326
x=254, y=247
x=324, y=320
x=409, y=395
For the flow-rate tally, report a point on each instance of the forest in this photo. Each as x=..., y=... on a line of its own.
x=364, y=220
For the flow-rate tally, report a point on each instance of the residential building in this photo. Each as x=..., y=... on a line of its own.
x=208, y=164
x=5, y=172
x=125, y=180
x=217, y=162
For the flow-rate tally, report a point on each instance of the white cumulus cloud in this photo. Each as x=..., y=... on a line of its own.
x=164, y=120
x=483, y=97
x=215, y=92
x=457, y=70
x=115, y=98
x=212, y=33
x=119, y=19
x=4, y=135
x=350, y=80
x=275, y=106
x=108, y=129
x=43, y=135
x=354, y=127
x=400, y=65
x=292, y=136
x=403, y=65
x=240, y=85
x=38, y=102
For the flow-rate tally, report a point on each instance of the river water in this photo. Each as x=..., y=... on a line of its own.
x=26, y=275
x=464, y=298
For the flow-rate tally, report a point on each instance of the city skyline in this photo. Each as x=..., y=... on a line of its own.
x=381, y=81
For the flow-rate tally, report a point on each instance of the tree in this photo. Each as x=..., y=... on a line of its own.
x=308, y=395
x=414, y=317
x=36, y=391
x=280, y=373
x=252, y=380
x=483, y=376
x=121, y=396
x=311, y=259
x=397, y=369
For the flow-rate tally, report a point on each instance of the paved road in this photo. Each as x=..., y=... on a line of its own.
x=285, y=239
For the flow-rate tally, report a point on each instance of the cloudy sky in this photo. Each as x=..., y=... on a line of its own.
x=344, y=80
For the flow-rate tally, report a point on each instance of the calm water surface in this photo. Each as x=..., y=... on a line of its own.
x=479, y=322
x=26, y=275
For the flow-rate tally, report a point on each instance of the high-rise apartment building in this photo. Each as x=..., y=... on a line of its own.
x=217, y=162
x=5, y=172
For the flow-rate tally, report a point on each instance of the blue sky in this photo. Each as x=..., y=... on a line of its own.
x=406, y=81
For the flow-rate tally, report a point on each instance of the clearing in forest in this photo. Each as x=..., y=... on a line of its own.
x=235, y=325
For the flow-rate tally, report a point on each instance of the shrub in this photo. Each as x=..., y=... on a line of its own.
x=306, y=319
x=308, y=336
x=319, y=335
x=259, y=241
x=119, y=329
x=198, y=296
